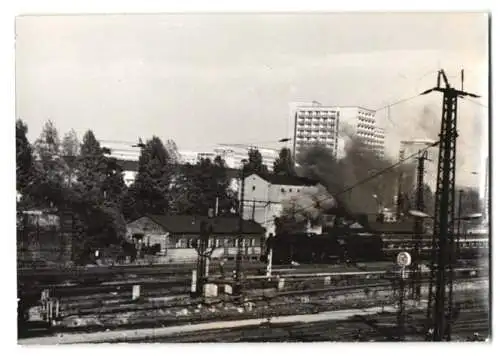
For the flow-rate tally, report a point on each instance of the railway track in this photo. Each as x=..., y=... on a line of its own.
x=89, y=296
x=325, y=331
x=144, y=314
x=105, y=298
x=167, y=279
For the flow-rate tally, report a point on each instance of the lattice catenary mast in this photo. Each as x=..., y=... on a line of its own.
x=440, y=304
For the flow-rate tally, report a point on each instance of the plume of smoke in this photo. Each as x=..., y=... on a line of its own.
x=308, y=205
x=357, y=163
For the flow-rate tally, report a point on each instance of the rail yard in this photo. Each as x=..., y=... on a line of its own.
x=106, y=303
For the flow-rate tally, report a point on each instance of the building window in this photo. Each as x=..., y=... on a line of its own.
x=253, y=188
x=282, y=190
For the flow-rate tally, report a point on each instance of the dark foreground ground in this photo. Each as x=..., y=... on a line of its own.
x=375, y=328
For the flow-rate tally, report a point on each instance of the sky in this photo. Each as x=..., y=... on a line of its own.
x=203, y=79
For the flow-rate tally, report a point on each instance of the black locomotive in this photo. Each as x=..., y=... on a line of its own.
x=326, y=248
x=354, y=246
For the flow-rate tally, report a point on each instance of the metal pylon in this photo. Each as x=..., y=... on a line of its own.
x=440, y=304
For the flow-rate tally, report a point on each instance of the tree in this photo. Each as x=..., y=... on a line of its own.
x=91, y=172
x=227, y=198
x=48, y=185
x=284, y=163
x=172, y=151
x=100, y=177
x=24, y=158
x=201, y=186
x=154, y=179
x=129, y=207
x=254, y=164
x=98, y=196
x=70, y=148
x=471, y=202
x=48, y=153
x=27, y=176
x=48, y=144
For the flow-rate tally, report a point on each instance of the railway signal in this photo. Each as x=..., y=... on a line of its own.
x=403, y=260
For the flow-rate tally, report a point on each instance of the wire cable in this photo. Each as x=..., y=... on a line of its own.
x=475, y=102
x=362, y=181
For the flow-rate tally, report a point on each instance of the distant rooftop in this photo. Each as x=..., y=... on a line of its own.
x=187, y=224
x=278, y=179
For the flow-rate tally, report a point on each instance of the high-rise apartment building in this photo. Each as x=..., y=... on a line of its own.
x=313, y=123
x=379, y=142
x=360, y=123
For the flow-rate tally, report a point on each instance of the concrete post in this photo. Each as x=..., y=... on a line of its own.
x=193, y=283
x=207, y=266
x=281, y=284
x=136, y=292
x=269, y=269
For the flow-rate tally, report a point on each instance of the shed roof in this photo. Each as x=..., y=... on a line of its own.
x=403, y=226
x=279, y=179
x=191, y=224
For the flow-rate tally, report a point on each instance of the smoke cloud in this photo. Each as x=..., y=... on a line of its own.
x=308, y=205
x=342, y=175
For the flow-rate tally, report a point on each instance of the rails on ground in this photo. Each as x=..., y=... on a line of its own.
x=106, y=301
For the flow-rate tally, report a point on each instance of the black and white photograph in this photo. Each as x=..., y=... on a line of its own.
x=252, y=177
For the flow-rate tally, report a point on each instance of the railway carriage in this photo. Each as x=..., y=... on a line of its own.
x=470, y=247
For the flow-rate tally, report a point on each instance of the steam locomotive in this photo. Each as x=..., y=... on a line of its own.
x=352, y=247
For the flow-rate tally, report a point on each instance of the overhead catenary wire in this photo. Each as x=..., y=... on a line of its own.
x=475, y=102
x=362, y=181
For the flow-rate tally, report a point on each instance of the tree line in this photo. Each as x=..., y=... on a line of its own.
x=82, y=178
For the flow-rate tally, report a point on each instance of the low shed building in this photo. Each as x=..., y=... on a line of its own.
x=177, y=236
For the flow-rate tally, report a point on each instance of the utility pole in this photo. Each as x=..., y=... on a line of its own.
x=453, y=257
x=441, y=276
x=401, y=310
x=418, y=227
x=403, y=260
x=202, y=259
x=399, y=196
x=459, y=224
x=237, y=286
